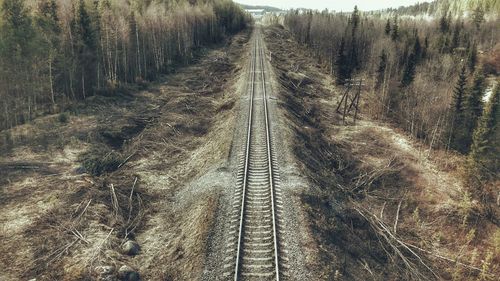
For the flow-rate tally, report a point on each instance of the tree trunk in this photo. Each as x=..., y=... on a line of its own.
x=138, y=49
x=83, y=83
x=52, y=98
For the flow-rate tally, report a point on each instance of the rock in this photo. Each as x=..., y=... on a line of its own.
x=108, y=278
x=131, y=248
x=126, y=273
x=105, y=269
x=80, y=170
x=106, y=273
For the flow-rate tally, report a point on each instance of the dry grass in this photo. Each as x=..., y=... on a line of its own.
x=383, y=206
x=60, y=224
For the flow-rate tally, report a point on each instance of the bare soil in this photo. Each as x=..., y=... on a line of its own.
x=380, y=206
x=60, y=222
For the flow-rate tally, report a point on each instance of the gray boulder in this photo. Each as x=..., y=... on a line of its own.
x=131, y=248
x=126, y=273
x=106, y=273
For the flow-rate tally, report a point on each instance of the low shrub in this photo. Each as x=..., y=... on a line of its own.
x=6, y=141
x=100, y=159
x=63, y=117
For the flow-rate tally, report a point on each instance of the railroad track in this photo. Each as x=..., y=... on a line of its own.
x=254, y=250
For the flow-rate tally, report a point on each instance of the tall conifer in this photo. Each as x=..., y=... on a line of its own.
x=473, y=106
x=457, y=130
x=485, y=151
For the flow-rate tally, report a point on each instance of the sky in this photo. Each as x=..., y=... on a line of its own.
x=337, y=5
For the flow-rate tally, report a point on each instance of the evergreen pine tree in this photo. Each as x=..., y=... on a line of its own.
x=444, y=25
x=341, y=64
x=98, y=6
x=85, y=43
x=403, y=57
x=47, y=18
x=395, y=29
x=17, y=31
x=458, y=133
x=47, y=22
x=472, y=57
x=18, y=49
x=409, y=71
x=459, y=92
x=474, y=101
x=426, y=47
x=84, y=27
x=485, y=151
x=455, y=40
x=353, y=62
x=417, y=49
x=354, y=20
x=473, y=105
x=381, y=69
x=478, y=16
x=445, y=43
x=388, y=27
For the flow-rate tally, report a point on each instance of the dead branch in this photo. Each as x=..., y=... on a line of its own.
x=84, y=210
x=126, y=159
x=78, y=207
x=397, y=215
x=449, y=259
x=23, y=165
x=137, y=219
x=78, y=235
x=114, y=201
x=382, y=211
x=390, y=239
x=58, y=253
x=130, y=201
x=368, y=178
x=295, y=86
x=90, y=260
x=366, y=266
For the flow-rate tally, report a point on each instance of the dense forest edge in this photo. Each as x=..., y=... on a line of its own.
x=433, y=77
x=54, y=52
x=428, y=82
x=90, y=183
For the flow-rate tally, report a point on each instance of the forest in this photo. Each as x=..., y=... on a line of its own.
x=55, y=52
x=430, y=75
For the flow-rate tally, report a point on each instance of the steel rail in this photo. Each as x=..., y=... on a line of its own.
x=247, y=159
x=271, y=170
x=257, y=57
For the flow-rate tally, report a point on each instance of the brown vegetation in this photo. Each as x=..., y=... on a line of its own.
x=410, y=65
x=61, y=221
x=427, y=76
x=381, y=206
